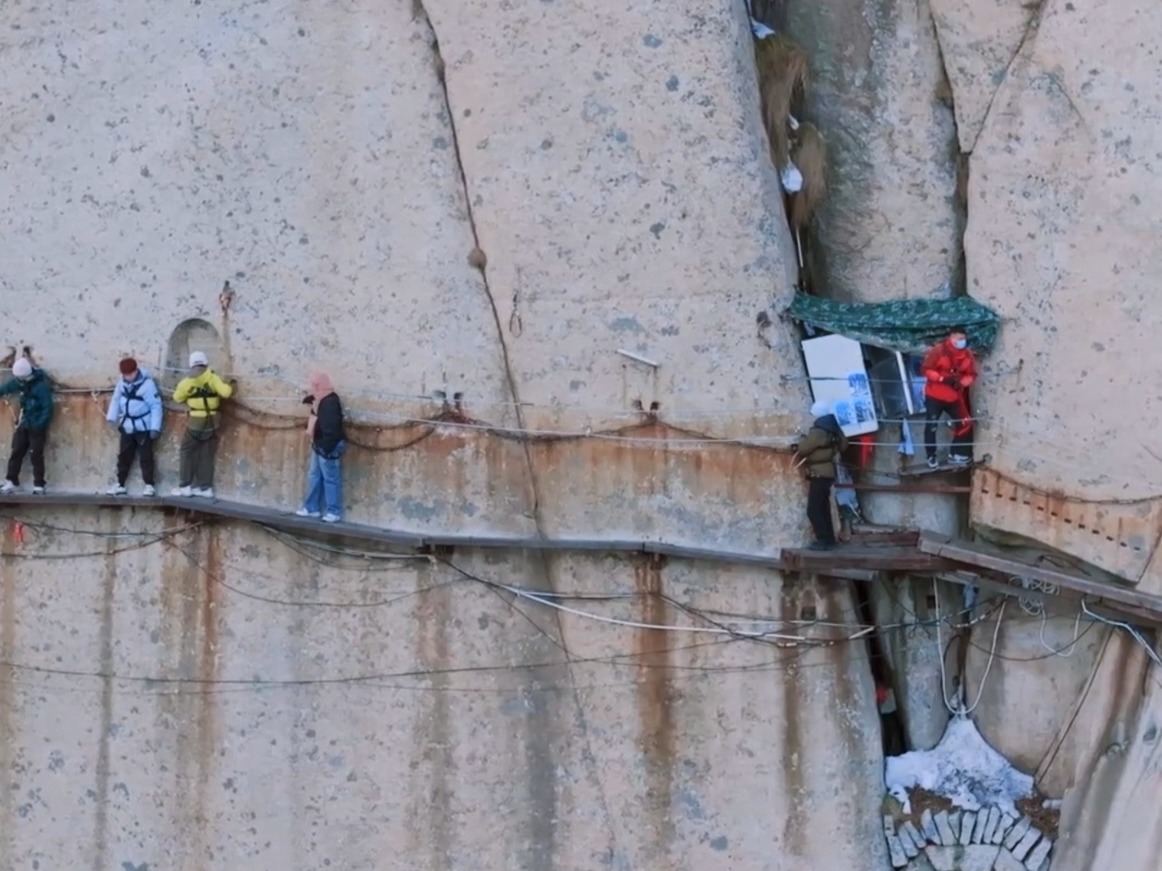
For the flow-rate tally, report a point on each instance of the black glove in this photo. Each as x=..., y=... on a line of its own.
x=951, y=380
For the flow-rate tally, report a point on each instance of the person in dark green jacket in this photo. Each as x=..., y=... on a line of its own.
x=31, y=433
x=818, y=450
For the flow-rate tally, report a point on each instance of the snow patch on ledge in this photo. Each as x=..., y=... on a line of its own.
x=963, y=768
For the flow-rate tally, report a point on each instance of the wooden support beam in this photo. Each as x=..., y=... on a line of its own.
x=988, y=557
x=58, y=498
x=898, y=488
x=850, y=574
x=877, y=539
x=1102, y=609
x=870, y=558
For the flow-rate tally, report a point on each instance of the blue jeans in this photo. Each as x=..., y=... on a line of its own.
x=324, y=485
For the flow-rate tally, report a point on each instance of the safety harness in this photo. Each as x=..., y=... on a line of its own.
x=204, y=393
x=130, y=394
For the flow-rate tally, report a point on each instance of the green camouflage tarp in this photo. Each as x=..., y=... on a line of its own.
x=910, y=326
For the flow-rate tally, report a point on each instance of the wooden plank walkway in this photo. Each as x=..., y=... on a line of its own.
x=868, y=558
x=289, y=522
x=874, y=551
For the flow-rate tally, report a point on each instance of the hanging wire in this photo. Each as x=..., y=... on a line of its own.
x=1117, y=624
x=956, y=706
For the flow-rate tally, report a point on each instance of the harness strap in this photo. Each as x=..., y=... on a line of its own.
x=131, y=394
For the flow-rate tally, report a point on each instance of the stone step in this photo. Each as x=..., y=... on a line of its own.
x=1026, y=844
x=982, y=819
x=909, y=829
x=944, y=829
x=1039, y=856
x=928, y=825
x=1004, y=826
x=1018, y=833
x=967, y=824
x=990, y=828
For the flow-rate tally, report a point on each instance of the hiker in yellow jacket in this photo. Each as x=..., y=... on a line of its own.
x=202, y=392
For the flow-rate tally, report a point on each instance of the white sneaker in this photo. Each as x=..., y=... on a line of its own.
x=8, y=487
x=204, y=492
x=331, y=518
x=37, y=491
x=183, y=491
x=116, y=490
x=959, y=459
x=302, y=512
x=148, y=490
x=933, y=463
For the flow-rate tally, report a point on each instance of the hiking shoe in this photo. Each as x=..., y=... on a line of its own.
x=821, y=545
x=331, y=518
x=8, y=487
x=933, y=463
x=116, y=490
x=183, y=491
x=38, y=490
x=148, y=490
x=303, y=512
x=204, y=492
x=959, y=459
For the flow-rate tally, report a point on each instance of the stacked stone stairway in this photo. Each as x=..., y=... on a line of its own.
x=984, y=840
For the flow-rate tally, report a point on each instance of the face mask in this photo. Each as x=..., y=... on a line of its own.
x=960, y=344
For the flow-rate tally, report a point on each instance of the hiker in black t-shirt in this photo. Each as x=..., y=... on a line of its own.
x=328, y=444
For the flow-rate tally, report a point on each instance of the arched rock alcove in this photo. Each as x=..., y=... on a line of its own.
x=194, y=334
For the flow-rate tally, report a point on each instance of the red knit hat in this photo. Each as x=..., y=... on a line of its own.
x=128, y=366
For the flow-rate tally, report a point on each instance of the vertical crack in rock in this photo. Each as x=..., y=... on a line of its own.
x=421, y=13
x=542, y=767
x=947, y=96
x=1031, y=29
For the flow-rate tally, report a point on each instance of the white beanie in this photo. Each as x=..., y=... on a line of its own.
x=198, y=358
x=820, y=408
x=22, y=368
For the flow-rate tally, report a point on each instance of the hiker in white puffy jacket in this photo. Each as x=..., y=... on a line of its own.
x=135, y=412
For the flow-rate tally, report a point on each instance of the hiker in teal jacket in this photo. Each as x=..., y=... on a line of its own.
x=31, y=433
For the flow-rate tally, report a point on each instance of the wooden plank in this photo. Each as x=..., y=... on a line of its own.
x=978, y=554
x=58, y=498
x=289, y=522
x=924, y=470
x=1103, y=609
x=292, y=523
x=878, y=539
x=877, y=528
x=896, y=488
x=864, y=575
x=885, y=558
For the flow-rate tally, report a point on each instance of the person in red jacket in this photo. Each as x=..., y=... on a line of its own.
x=949, y=370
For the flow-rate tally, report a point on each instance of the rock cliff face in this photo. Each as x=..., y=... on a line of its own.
x=1062, y=216
x=326, y=711
x=891, y=226
x=495, y=199
x=612, y=169
x=1057, y=122
x=339, y=163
